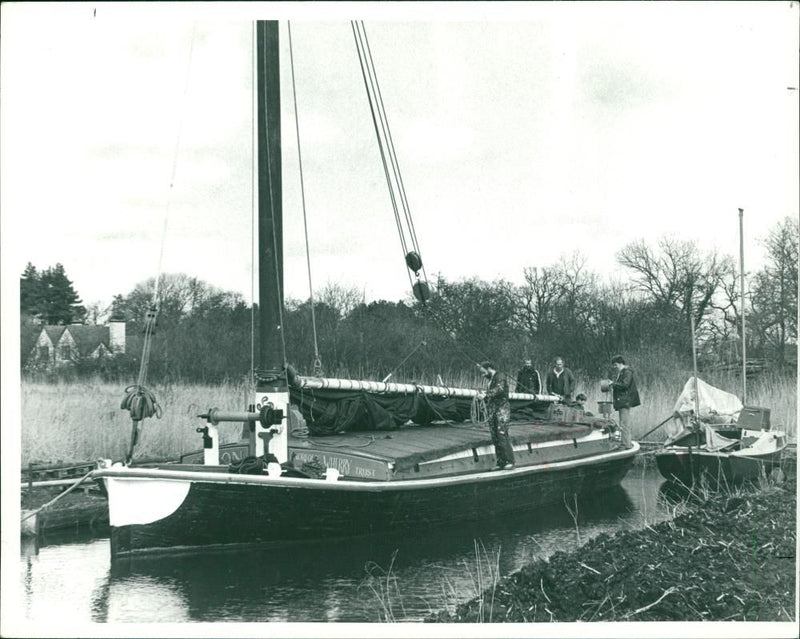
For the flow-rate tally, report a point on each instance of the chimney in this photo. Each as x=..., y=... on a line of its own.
x=116, y=336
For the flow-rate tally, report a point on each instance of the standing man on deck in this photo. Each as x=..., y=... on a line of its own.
x=499, y=410
x=561, y=381
x=528, y=380
x=626, y=396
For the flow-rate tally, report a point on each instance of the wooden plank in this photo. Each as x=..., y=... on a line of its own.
x=428, y=442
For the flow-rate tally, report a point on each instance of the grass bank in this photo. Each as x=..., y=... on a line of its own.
x=730, y=556
x=82, y=420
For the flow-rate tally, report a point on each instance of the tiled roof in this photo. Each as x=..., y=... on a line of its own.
x=54, y=333
x=88, y=338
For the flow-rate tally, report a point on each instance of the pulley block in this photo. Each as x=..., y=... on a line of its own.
x=413, y=261
x=422, y=291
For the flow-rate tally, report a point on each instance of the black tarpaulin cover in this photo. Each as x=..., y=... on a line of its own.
x=332, y=411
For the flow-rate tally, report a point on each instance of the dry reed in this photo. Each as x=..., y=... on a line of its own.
x=77, y=421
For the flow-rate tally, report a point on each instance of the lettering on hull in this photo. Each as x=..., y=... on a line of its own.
x=347, y=465
x=228, y=454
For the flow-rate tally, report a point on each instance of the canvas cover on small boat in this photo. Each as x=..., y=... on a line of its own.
x=717, y=442
x=715, y=406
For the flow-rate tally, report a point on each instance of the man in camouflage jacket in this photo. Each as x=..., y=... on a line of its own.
x=499, y=411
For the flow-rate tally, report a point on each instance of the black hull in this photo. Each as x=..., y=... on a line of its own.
x=218, y=514
x=678, y=464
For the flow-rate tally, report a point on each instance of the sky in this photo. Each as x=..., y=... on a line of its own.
x=524, y=132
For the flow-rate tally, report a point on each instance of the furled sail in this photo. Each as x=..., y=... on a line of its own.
x=332, y=406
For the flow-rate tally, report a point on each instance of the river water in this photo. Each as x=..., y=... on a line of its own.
x=68, y=578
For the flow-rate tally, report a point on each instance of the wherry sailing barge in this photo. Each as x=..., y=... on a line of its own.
x=434, y=470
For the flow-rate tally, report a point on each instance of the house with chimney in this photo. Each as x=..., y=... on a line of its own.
x=64, y=345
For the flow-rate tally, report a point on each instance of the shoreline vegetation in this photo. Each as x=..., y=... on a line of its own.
x=724, y=556
x=728, y=555
x=84, y=422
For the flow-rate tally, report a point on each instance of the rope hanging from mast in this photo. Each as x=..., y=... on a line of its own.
x=318, y=371
x=139, y=401
x=391, y=166
x=394, y=181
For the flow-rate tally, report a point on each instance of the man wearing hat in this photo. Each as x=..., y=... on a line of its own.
x=499, y=410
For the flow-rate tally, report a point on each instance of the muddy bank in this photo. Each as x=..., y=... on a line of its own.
x=725, y=557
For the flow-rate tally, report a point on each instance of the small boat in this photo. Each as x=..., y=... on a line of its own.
x=727, y=444
x=721, y=440
x=329, y=459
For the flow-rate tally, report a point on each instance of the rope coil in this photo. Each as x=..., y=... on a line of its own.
x=140, y=402
x=478, y=412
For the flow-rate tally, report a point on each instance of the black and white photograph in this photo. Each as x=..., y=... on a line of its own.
x=399, y=319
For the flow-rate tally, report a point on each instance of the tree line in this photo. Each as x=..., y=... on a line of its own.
x=206, y=334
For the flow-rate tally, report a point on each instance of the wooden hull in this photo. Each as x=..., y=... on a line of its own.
x=679, y=464
x=213, y=509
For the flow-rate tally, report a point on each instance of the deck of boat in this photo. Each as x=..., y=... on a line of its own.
x=415, y=451
x=434, y=449
x=413, y=444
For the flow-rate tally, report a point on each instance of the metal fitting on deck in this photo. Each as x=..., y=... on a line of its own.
x=267, y=416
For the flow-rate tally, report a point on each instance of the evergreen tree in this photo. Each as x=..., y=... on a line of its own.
x=60, y=303
x=30, y=291
x=119, y=310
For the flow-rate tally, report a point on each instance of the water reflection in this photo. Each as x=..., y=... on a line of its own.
x=403, y=577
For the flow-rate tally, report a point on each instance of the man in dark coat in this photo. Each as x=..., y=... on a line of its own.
x=561, y=381
x=528, y=379
x=626, y=396
x=499, y=410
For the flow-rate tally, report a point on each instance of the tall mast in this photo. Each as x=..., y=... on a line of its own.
x=694, y=372
x=744, y=306
x=270, y=222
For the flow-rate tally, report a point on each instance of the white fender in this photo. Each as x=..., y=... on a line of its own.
x=143, y=501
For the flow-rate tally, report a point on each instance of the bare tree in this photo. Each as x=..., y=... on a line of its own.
x=774, y=293
x=178, y=296
x=676, y=275
x=341, y=298
x=723, y=331
x=536, y=299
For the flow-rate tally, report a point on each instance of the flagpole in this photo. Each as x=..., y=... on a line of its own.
x=744, y=305
x=694, y=371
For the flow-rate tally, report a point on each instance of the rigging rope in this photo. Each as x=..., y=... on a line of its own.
x=368, y=85
x=139, y=401
x=394, y=180
x=174, y=166
x=318, y=371
x=391, y=165
x=477, y=410
x=395, y=184
x=253, y=205
x=391, y=148
x=405, y=359
x=72, y=487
